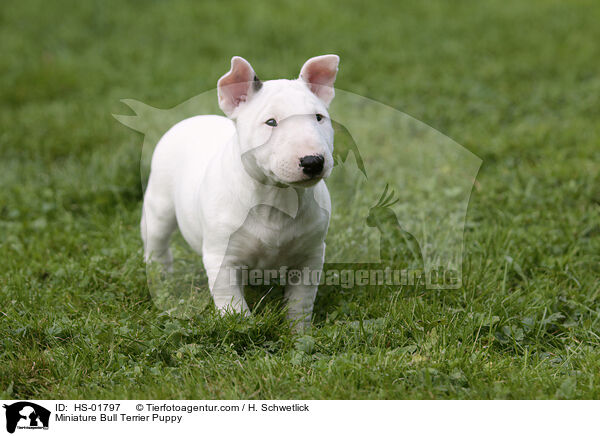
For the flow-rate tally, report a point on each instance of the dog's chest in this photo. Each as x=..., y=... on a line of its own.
x=269, y=238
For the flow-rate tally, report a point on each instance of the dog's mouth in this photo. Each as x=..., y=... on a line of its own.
x=307, y=183
x=311, y=180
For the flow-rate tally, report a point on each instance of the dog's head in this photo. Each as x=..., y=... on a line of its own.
x=283, y=126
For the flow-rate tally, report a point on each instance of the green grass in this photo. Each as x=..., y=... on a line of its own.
x=517, y=83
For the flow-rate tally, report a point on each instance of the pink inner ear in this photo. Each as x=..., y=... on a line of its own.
x=319, y=74
x=235, y=85
x=237, y=92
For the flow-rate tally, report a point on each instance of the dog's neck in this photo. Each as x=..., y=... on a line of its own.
x=256, y=188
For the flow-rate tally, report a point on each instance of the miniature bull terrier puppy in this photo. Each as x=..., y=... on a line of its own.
x=247, y=190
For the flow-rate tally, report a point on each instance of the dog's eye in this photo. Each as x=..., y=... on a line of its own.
x=319, y=117
x=271, y=122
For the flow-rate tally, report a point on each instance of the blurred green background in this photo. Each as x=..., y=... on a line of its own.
x=517, y=83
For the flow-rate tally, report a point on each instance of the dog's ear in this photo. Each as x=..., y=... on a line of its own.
x=236, y=86
x=319, y=74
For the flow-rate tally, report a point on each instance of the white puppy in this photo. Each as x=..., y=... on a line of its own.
x=247, y=191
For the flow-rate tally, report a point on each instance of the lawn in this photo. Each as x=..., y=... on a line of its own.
x=516, y=83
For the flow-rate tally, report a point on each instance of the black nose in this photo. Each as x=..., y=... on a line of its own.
x=312, y=165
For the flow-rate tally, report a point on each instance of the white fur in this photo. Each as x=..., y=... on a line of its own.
x=209, y=175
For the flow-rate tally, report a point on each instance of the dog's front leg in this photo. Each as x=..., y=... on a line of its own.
x=300, y=292
x=225, y=286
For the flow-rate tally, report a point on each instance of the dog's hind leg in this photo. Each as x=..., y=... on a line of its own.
x=157, y=225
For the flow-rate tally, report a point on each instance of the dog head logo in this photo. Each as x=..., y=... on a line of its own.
x=26, y=415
